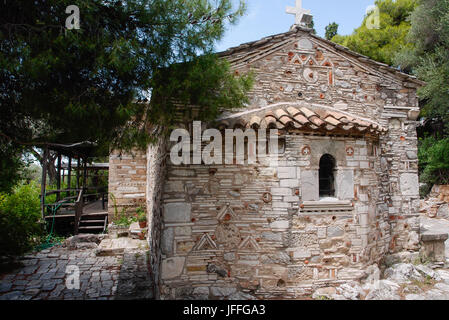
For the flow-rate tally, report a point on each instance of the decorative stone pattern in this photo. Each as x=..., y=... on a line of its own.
x=258, y=231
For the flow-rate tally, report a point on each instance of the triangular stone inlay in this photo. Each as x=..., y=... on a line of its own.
x=226, y=214
x=296, y=60
x=327, y=63
x=311, y=62
x=249, y=243
x=205, y=243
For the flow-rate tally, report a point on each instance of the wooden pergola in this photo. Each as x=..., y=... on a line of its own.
x=72, y=200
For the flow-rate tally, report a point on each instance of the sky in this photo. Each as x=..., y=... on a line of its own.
x=267, y=17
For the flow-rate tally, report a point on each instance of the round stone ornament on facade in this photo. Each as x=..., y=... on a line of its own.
x=305, y=44
x=267, y=197
x=349, y=151
x=310, y=75
x=306, y=151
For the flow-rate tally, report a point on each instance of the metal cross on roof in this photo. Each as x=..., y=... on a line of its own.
x=302, y=16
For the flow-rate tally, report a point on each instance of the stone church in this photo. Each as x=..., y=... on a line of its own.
x=344, y=193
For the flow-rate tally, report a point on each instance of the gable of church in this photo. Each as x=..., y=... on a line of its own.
x=300, y=67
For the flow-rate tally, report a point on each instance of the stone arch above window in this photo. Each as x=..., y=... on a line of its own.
x=327, y=176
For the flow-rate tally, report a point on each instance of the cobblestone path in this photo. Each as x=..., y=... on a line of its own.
x=43, y=276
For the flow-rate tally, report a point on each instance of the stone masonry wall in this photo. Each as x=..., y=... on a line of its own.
x=400, y=189
x=127, y=182
x=304, y=68
x=246, y=229
x=155, y=182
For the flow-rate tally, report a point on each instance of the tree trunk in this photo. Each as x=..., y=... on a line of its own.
x=51, y=166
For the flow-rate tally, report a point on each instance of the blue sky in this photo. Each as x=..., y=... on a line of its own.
x=267, y=17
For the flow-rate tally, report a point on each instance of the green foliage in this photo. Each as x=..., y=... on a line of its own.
x=141, y=214
x=429, y=56
x=19, y=220
x=331, y=30
x=122, y=219
x=433, y=156
x=93, y=84
x=206, y=83
x=32, y=172
x=11, y=165
x=384, y=43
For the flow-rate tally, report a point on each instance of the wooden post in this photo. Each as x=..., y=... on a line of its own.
x=58, y=179
x=78, y=210
x=69, y=177
x=78, y=173
x=44, y=181
x=84, y=174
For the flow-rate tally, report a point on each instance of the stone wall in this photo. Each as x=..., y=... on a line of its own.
x=247, y=229
x=301, y=67
x=155, y=183
x=307, y=69
x=127, y=182
x=399, y=198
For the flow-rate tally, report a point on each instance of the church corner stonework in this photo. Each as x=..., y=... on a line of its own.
x=227, y=231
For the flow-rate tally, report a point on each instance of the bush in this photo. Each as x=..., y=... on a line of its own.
x=141, y=215
x=19, y=219
x=433, y=161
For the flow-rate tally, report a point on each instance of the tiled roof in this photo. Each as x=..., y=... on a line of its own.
x=302, y=117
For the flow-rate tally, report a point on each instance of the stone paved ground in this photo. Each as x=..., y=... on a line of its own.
x=43, y=276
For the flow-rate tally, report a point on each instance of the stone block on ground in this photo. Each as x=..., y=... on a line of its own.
x=433, y=246
x=112, y=247
x=83, y=241
x=117, y=231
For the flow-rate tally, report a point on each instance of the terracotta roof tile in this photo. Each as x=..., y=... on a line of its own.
x=306, y=118
x=293, y=111
x=331, y=120
x=255, y=122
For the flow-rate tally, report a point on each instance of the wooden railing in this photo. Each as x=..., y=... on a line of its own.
x=79, y=203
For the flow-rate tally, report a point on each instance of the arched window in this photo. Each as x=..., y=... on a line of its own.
x=327, y=166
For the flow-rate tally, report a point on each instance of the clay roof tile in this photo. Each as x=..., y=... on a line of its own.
x=254, y=122
x=307, y=112
x=293, y=111
x=331, y=120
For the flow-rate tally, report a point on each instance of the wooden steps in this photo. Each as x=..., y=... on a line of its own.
x=93, y=223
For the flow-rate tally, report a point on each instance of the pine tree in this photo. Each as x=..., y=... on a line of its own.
x=99, y=82
x=331, y=30
x=383, y=43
